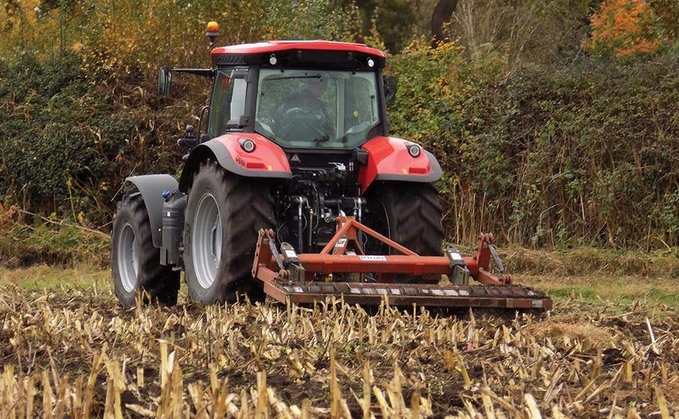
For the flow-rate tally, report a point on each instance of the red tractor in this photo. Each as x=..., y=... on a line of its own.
x=293, y=188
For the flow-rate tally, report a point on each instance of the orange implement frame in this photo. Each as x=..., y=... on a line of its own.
x=310, y=277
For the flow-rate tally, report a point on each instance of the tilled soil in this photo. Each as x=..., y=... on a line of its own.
x=74, y=353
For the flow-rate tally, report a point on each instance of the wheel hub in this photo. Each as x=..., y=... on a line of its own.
x=128, y=262
x=207, y=240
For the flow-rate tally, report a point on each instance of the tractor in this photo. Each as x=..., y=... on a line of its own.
x=293, y=188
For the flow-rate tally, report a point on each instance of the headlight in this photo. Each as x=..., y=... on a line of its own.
x=247, y=145
x=414, y=150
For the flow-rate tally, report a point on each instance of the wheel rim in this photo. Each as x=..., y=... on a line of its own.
x=128, y=259
x=207, y=240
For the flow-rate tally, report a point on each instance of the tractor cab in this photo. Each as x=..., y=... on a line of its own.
x=299, y=94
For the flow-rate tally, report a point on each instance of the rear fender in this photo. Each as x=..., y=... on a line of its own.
x=152, y=188
x=267, y=160
x=389, y=159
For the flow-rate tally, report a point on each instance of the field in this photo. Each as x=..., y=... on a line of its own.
x=609, y=349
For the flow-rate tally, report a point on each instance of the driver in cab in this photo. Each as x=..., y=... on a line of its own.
x=303, y=116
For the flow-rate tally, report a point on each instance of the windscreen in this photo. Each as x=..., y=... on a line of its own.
x=316, y=109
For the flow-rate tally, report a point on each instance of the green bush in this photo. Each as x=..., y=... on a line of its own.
x=51, y=147
x=549, y=155
x=48, y=241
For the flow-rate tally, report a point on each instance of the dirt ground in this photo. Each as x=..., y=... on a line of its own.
x=77, y=353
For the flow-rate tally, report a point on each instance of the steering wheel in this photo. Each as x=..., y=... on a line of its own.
x=358, y=128
x=302, y=124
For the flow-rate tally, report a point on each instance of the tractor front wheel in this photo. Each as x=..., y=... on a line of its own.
x=223, y=214
x=135, y=261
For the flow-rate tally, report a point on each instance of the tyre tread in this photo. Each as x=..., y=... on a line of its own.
x=248, y=208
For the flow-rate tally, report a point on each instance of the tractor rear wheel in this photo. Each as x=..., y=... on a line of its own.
x=408, y=213
x=223, y=215
x=135, y=261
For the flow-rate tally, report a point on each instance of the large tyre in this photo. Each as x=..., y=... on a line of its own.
x=135, y=261
x=223, y=215
x=408, y=213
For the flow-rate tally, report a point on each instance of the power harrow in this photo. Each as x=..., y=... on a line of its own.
x=342, y=270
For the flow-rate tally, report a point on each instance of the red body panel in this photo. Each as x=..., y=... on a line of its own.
x=267, y=156
x=277, y=46
x=389, y=157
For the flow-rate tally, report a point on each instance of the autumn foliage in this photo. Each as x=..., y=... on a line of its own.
x=624, y=28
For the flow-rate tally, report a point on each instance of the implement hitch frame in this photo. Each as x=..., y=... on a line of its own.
x=343, y=270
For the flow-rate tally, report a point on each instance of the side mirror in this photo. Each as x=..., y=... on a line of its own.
x=390, y=86
x=164, y=79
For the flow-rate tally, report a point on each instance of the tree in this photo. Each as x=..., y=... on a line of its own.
x=442, y=14
x=524, y=30
x=623, y=28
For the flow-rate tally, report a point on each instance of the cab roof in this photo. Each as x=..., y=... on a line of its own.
x=326, y=54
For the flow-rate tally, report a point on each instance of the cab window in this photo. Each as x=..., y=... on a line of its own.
x=228, y=102
x=307, y=108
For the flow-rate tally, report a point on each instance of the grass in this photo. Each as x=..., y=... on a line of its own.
x=586, y=276
x=612, y=291
x=588, y=261
x=597, y=290
x=43, y=277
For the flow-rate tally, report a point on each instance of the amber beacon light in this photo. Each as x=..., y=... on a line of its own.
x=212, y=32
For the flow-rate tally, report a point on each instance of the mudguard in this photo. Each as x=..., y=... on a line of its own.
x=151, y=188
x=389, y=159
x=266, y=160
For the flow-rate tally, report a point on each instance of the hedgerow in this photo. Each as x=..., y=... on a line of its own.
x=542, y=154
x=549, y=155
